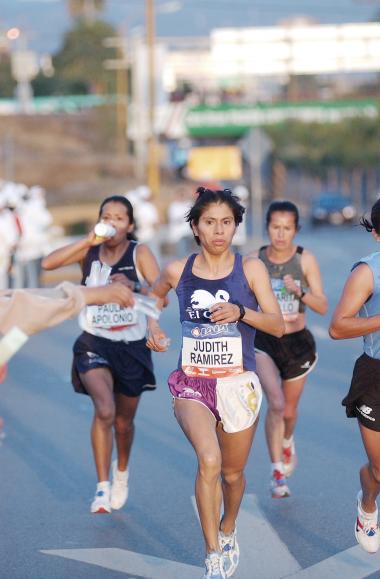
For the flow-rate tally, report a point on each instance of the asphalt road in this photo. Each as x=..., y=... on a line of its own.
x=47, y=476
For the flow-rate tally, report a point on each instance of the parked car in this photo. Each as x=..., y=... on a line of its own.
x=332, y=208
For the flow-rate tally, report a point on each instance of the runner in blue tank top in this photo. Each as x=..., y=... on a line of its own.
x=111, y=361
x=358, y=314
x=216, y=392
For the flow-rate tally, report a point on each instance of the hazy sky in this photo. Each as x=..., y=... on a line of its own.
x=45, y=21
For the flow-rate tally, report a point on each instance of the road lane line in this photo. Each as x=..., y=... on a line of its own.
x=262, y=553
x=131, y=563
x=353, y=563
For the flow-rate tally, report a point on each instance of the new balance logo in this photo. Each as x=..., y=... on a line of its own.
x=306, y=365
x=365, y=411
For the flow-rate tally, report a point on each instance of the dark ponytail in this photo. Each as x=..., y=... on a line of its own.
x=374, y=223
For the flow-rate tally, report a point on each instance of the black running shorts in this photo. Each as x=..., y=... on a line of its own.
x=294, y=354
x=363, y=399
x=130, y=363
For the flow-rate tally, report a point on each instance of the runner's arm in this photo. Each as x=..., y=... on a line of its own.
x=345, y=322
x=111, y=293
x=314, y=298
x=72, y=253
x=269, y=319
x=168, y=280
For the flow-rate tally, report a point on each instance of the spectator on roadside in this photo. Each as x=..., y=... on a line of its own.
x=147, y=219
x=33, y=244
x=8, y=238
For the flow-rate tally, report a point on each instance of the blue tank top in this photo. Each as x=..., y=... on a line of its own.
x=196, y=295
x=372, y=305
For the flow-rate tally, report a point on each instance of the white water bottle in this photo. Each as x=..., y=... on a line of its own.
x=146, y=305
x=105, y=230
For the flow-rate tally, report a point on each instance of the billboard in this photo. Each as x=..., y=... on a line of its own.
x=214, y=163
x=292, y=50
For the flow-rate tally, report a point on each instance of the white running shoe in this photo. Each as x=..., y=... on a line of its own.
x=101, y=502
x=230, y=551
x=119, y=488
x=367, y=531
x=214, y=566
x=289, y=459
x=279, y=488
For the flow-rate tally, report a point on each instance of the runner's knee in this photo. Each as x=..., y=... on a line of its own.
x=233, y=477
x=290, y=413
x=375, y=471
x=105, y=413
x=210, y=464
x=276, y=405
x=123, y=425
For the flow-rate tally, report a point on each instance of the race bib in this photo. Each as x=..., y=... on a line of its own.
x=289, y=303
x=211, y=350
x=110, y=316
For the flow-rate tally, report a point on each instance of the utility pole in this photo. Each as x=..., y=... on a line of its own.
x=153, y=172
x=120, y=66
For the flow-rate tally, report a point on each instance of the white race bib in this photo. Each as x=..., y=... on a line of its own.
x=289, y=303
x=110, y=316
x=211, y=350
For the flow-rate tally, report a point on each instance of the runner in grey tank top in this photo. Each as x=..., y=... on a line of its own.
x=215, y=389
x=283, y=363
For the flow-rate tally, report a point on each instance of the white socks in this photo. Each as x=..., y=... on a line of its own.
x=277, y=466
x=104, y=485
x=288, y=442
x=362, y=512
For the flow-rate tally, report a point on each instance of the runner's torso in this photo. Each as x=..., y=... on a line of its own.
x=209, y=349
x=372, y=305
x=289, y=302
x=111, y=320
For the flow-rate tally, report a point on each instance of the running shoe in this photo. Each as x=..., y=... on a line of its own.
x=230, y=550
x=214, y=566
x=101, y=502
x=278, y=486
x=289, y=458
x=367, y=531
x=119, y=488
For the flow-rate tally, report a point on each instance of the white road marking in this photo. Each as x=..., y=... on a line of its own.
x=263, y=555
x=353, y=563
x=261, y=549
x=132, y=563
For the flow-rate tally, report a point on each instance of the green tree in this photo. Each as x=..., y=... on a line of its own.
x=7, y=84
x=316, y=148
x=79, y=65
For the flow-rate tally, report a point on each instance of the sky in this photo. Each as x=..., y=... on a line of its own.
x=45, y=21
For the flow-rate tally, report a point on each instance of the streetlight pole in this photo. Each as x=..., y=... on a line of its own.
x=153, y=173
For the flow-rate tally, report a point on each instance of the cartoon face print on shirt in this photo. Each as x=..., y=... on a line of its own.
x=201, y=302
